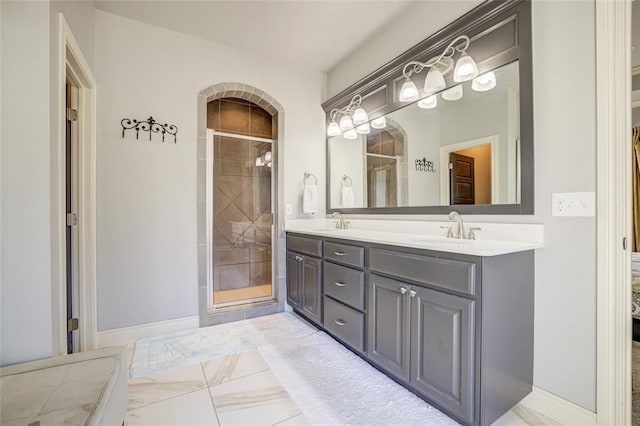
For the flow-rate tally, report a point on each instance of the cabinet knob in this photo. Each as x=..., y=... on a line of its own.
x=412, y=293
x=299, y=258
x=339, y=284
x=403, y=290
x=338, y=253
x=340, y=322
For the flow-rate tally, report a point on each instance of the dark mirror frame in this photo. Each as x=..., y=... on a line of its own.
x=500, y=33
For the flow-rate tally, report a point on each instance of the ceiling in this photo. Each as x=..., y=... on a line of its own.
x=311, y=34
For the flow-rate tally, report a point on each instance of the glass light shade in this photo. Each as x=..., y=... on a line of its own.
x=259, y=162
x=364, y=129
x=434, y=81
x=453, y=94
x=269, y=164
x=466, y=68
x=360, y=116
x=267, y=156
x=484, y=82
x=350, y=134
x=428, y=102
x=408, y=92
x=379, y=123
x=333, y=129
x=346, y=123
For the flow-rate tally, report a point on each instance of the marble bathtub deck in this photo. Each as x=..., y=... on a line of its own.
x=241, y=389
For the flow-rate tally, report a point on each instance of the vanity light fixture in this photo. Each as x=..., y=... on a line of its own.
x=264, y=160
x=351, y=134
x=465, y=69
x=364, y=129
x=453, y=94
x=484, y=82
x=350, y=116
x=379, y=123
x=428, y=102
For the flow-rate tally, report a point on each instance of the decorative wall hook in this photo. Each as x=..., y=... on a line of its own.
x=425, y=166
x=151, y=126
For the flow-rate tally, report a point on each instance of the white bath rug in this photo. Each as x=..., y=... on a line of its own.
x=333, y=386
x=157, y=354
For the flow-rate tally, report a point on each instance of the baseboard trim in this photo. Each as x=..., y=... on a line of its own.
x=125, y=335
x=559, y=409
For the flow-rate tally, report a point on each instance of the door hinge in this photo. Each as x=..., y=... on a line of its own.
x=72, y=324
x=624, y=243
x=72, y=219
x=72, y=114
x=450, y=166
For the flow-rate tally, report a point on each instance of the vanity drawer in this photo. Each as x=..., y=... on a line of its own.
x=344, y=253
x=344, y=284
x=344, y=323
x=444, y=273
x=305, y=245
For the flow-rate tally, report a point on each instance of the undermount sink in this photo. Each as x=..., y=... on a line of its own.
x=433, y=239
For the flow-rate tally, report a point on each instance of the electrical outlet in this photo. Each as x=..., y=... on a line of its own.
x=575, y=204
x=288, y=209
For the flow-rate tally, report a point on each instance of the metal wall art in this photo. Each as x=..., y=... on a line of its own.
x=425, y=166
x=151, y=126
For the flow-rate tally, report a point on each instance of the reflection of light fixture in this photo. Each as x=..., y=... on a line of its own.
x=452, y=94
x=350, y=134
x=428, y=102
x=363, y=129
x=350, y=116
x=465, y=69
x=379, y=123
x=264, y=160
x=484, y=82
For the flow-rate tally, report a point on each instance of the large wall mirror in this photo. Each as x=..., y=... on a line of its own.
x=468, y=145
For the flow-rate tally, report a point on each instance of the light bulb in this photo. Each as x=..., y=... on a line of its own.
x=360, y=116
x=484, y=82
x=259, y=162
x=350, y=134
x=379, y=123
x=364, y=129
x=434, y=81
x=408, y=91
x=333, y=129
x=466, y=68
x=346, y=123
x=428, y=102
x=453, y=94
x=267, y=156
x=269, y=164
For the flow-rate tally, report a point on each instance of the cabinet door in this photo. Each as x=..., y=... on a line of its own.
x=388, y=325
x=442, y=349
x=293, y=279
x=312, y=288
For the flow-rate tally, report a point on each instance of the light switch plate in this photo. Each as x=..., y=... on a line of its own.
x=575, y=204
x=288, y=209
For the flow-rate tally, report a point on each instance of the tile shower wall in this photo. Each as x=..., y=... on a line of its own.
x=242, y=254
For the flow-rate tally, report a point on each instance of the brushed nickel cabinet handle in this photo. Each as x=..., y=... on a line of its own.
x=339, y=284
x=340, y=322
x=338, y=253
x=403, y=290
x=412, y=293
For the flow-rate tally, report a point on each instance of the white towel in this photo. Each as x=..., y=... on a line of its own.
x=348, y=200
x=310, y=199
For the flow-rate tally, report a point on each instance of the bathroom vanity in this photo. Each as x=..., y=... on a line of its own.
x=455, y=329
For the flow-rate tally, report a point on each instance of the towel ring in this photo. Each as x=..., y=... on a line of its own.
x=308, y=175
x=346, y=179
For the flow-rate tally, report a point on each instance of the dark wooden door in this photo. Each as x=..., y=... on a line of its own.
x=312, y=288
x=388, y=325
x=294, y=276
x=442, y=349
x=462, y=182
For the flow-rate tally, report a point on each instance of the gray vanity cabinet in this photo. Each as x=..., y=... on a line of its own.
x=304, y=276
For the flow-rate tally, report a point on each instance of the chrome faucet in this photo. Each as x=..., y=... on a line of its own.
x=340, y=223
x=455, y=216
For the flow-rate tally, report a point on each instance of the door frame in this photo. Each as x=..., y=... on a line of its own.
x=444, y=169
x=613, y=207
x=72, y=62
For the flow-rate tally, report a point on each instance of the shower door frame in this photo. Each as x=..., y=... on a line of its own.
x=209, y=181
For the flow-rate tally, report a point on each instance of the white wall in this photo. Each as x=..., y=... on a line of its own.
x=25, y=203
x=147, y=257
x=565, y=144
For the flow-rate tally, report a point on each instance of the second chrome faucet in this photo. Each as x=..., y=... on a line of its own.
x=454, y=216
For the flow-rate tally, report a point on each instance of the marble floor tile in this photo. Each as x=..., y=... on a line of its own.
x=257, y=399
x=520, y=415
x=165, y=385
x=299, y=420
x=191, y=409
x=232, y=367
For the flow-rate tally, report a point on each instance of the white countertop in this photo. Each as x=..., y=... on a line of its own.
x=427, y=235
